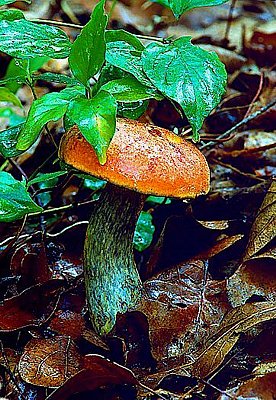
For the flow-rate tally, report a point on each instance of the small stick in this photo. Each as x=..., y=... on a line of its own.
x=239, y=124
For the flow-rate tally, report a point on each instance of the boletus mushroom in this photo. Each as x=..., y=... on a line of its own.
x=142, y=159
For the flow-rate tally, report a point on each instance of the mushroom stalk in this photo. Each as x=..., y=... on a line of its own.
x=111, y=278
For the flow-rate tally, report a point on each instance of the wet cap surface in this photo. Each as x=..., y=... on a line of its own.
x=144, y=158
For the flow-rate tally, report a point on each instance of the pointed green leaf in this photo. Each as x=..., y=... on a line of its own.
x=132, y=110
x=8, y=141
x=18, y=71
x=25, y=39
x=50, y=107
x=187, y=74
x=124, y=52
x=4, y=2
x=88, y=51
x=144, y=231
x=120, y=35
x=42, y=178
x=96, y=119
x=15, y=201
x=7, y=96
x=11, y=15
x=179, y=7
x=128, y=90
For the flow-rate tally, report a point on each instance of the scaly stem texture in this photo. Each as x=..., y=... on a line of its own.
x=111, y=278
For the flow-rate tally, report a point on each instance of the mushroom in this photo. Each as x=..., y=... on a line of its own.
x=142, y=159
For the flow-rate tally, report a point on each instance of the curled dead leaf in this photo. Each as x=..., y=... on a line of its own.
x=264, y=226
x=236, y=321
x=256, y=276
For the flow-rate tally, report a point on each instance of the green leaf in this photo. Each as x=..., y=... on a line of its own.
x=179, y=7
x=46, y=181
x=144, y=231
x=56, y=78
x=8, y=141
x=42, y=178
x=158, y=200
x=19, y=70
x=25, y=39
x=88, y=51
x=129, y=90
x=126, y=54
x=132, y=110
x=96, y=119
x=92, y=183
x=7, y=96
x=50, y=107
x=15, y=201
x=194, y=78
x=120, y=35
x=4, y=2
x=11, y=15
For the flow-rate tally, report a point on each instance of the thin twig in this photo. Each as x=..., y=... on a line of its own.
x=236, y=170
x=67, y=229
x=77, y=26
x=60, y=209
x=256, y=95
x=229, y=21
x=241, y=123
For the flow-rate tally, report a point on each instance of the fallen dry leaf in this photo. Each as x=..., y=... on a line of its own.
x=236, y=321
x=265, y=368
x=49, y=362
x=32, y=307
x=256, y=276
x=73, y=324
x=260, y=388
x=218, y=346
x=264, y=227
x=96, y=372
x=182, y=306
x=29, y=261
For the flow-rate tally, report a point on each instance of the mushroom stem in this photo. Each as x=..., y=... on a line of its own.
x=111, y=278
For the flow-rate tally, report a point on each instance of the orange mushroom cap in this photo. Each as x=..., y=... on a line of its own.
x=144, y=158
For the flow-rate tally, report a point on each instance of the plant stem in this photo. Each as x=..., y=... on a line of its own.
x=111, y=278
x=76, y=26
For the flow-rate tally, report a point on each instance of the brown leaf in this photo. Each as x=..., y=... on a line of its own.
x=71, y=323
x=264, y=226
x=217, y=225
x=32, y=307
x=261, y=388
x=30, y=262
x=97, y=372
x=262, y=45
x=68, y=323
x=236, y=321
x=256, y=276
x=218, y=346
x=221, y=245
x=181, y=307
x=49, y=362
